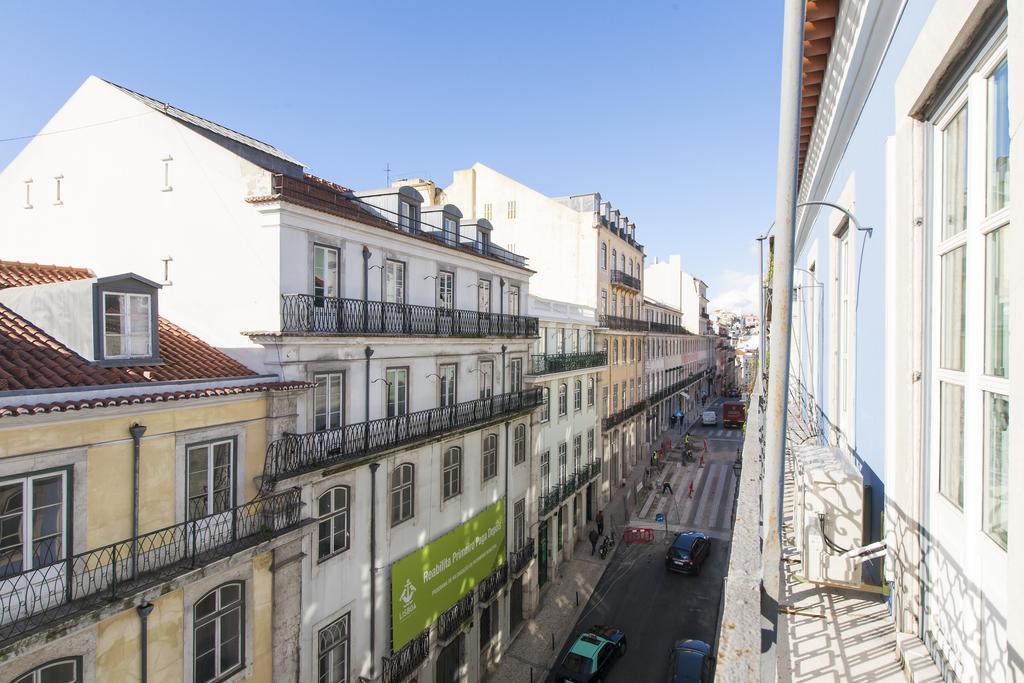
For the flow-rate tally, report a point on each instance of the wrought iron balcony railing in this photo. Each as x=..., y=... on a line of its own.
x=297, y=453
x=455, y=616
x=562, y=362
x=625, y=280
x=614, y=322
x=573, y=483
x=400, y=665
x=624, y=414
x=308, y=314
x=32, y=599
x=518, y=560
x=492, y=583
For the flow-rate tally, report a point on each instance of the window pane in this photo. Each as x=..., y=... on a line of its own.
x=998, y=140
x=997, y=305
x=951, y=442
x=138, y=324
x=197, y=481
x=61, y=672
x=954, y=273
x=997, y=467
x=954, y=175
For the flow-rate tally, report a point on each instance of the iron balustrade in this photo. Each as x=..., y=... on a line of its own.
x=624, y=414
x=565, y=490
x=550, y=500
x=297, y=453
x=625, y=280
x=492, y=583
x=614, y=322
x=309, y=314
x=44, y=596
x=400, y=665
x=562, y=362
x=518, y=560
x=454, y=617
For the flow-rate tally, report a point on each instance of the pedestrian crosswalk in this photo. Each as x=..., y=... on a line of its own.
x=708, y=506
x=723, y=433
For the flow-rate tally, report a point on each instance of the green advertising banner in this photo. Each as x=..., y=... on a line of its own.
x=428, y=581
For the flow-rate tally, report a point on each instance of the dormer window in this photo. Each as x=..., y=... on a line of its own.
x=408, y=216
x=127, y=325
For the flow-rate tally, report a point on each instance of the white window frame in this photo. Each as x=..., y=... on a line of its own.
x=210, y=491
x=394, y=281
x=447, y=384
x=332, y=640
x=400, y=405
x=486, y=372
x=217, y=618
x=446, y=290
x=451, y=473
x=489, y=457
x=328, y=385
x=329, y=520
x=27, y=527
x=330, y=282
x=404, y=491
x=127, y=330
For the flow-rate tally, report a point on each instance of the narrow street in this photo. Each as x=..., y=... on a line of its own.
x=656, y=607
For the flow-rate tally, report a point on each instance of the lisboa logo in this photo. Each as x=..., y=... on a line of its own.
x=407, y=592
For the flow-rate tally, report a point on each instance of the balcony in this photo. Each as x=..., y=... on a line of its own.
x=316, y=315
x=518, y=559
x=297, y=453
x=550, y=501
x=449, y=622
x=38, y=598
x=492, y=583
x=614, y=322
x=623, y=280
x=400, y=665
x=623, y=415
x=563, y=362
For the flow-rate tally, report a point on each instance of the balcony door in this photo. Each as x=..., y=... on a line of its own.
x=445, y=302
x=513, y=300
x=485, y=296
x=325, y=287
x=394, y=296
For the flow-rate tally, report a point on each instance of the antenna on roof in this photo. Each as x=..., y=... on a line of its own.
x=387, y=175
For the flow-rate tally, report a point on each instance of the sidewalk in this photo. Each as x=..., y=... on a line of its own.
x=532, y=654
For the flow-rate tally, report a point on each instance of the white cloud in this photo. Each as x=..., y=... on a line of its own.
x=738, y=293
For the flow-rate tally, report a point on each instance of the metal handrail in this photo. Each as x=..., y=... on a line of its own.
x=518, y=559
x=400, y=665
x=309, y=314
x=454, y=617
x=620, y=278
x=492, y=583
x=296, y=453
x=541, y=364
x=43, y=596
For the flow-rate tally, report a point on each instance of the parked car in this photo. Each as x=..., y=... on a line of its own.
x=591, y=656
x=709, y=417
x=688, y=552
x=734, y=414
x=690, y=662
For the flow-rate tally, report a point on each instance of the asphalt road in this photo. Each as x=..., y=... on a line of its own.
x=654, y=607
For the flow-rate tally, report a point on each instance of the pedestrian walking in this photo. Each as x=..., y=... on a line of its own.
x=600, y=522
x=593, y=540
x=690, y=494
x=666, y=487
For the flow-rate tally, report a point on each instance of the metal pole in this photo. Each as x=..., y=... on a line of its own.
x=136, y=431
x=782, y=285
x=373, y=568
x=144, y=611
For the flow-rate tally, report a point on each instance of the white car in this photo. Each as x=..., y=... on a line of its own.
x=709, y=417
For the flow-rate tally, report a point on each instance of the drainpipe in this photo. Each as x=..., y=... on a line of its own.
x=366, y=287
x=136, y=430
x=144, y=609
x=366, y=431
x=373, y=565
x=504, y=370
x=782, y=286
x=501, y=293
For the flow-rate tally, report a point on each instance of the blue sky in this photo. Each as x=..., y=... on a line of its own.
x=669, y=109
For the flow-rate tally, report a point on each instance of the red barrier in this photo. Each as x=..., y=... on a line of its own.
x=635, y=535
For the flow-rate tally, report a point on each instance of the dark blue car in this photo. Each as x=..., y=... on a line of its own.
x=688, y=552
x=690, y=662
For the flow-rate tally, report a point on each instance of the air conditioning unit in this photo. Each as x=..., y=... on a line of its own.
x=828, y=514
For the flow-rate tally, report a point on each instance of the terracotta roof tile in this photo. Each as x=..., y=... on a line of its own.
x=20, y=274
x=32, y=359
x=138, y=399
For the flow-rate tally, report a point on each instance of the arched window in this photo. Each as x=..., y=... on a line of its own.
x=489, y=457
x=519, y=444
x=614, y=259
x=604, y=256
x=403, y=490
x=577, y=395
x=67, y=670
x=563, y=399
x=451, y=473
x=218, y=633
x=591, y=389
x=332, y=522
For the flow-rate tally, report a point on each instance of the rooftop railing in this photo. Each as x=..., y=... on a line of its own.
x=297, y=453
x=563, y=362
x=36, y=598
x=309, y=314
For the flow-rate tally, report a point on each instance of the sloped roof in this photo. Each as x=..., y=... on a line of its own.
x=206, y=124
x=30, y=358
